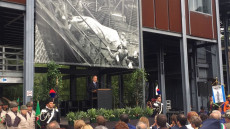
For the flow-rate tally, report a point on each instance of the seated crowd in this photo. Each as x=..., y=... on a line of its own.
x=190, y=121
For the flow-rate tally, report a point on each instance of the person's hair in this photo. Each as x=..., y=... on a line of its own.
x=157, y=96
x=161, y=120
x=78, y=124
x=173, y=118
x=215, y=115
x=94, y=76
x=202, y=108
x=144, y=120
x=196, y=121
x=124, y=118
x=100, y=120
x=191, y=114
x=87, y=127
x=203, y=116
x=53, y=125
x=182, y=119
x=121, y=125
x=140, y=125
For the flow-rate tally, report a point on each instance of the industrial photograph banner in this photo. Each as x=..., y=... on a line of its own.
x=102, y=33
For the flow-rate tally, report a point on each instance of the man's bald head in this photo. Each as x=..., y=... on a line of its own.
x=215, y=115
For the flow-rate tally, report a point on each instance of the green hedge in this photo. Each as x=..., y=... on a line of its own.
x=110, y=115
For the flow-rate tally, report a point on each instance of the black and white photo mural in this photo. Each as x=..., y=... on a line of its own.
x=102, y=33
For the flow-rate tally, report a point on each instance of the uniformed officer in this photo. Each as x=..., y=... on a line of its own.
x=23, y=120
x=157, y=106
x=31, y=115
x=2, y=116
x=49, y=114
x=12, y=114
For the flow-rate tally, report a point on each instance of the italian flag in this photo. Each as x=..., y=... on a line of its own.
x=223, y=126
x=38, y=112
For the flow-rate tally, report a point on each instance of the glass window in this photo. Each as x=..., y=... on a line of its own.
x=203, y=6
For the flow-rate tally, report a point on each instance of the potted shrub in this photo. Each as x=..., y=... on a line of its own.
x=137, y=112
x=148, y=112
x=92, y=113
x=71, y=117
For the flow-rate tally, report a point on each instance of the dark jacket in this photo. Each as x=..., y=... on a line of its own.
x=174, y=127
x=131, y=126
x=183, y=127
x=46, y=115
x=211, y=124
x=91, y=87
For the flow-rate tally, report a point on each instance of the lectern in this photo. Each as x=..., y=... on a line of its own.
x=102, y=99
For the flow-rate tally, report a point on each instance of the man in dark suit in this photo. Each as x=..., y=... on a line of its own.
x=92, y=89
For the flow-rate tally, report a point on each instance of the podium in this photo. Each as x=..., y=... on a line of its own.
x=102, y=99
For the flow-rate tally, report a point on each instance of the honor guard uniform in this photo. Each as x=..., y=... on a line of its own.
x=12, y=116
x=31, y=115
x=2, y=116
x=49, y=114
x=157, y=106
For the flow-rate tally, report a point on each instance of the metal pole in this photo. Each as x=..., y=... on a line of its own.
x=162, y=77
x=141, y=47
x=219, y=43
x=226, y=40
x=28, y=51
x=184, y=62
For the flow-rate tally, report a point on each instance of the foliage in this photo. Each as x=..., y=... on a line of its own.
x=109, y=114
x=137, y=78
x=115, y=91
x=43, y=83
x=133, y=88
x=54, y=77
x=148, y=111
x=92, y=113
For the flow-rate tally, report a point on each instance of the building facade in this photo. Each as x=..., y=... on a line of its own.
x=181, y=47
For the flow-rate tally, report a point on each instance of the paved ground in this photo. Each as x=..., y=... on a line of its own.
x=109, y=124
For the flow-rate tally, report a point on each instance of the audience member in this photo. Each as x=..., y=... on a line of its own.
x=125, y=118
x=87, y=127
x=227, y=119
x=145, y=120
x=53, y=125
x=121, y=125
x=161, y=121
x=213, y=122
x=181, y=121
x=141, y=125
x=154, y=126
x=203, y=117
x=202, y=110
x=101, y=123
x=78, y=124
x=189, y=116
x=174, y=121
x=196, y=122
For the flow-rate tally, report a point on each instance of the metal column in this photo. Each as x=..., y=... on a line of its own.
x=161, y=71
x=221, y=78
x=28, y=52
x=226, y=41
x=184, y=62
x=141, y=47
